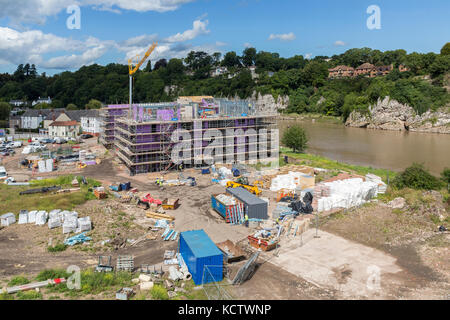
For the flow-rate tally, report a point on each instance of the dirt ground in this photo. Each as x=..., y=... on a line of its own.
x=414, y=264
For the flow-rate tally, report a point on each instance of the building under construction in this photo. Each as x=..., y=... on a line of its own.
x=192, y=132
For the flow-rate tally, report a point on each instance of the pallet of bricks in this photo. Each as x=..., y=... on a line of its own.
x=100, y=193
x=267, y=179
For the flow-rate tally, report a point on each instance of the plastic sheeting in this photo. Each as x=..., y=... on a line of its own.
x=291, y=181
x=32, y=216
x=347, y=194
x=23, y=217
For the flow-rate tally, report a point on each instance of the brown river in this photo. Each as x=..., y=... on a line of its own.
x=376, y=148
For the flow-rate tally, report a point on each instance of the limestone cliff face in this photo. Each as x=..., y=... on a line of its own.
x=389, y=114
x=267, y=103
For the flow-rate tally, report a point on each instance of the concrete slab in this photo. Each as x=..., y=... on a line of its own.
x=336, y=263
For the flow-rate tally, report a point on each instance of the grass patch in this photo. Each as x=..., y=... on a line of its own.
x=159, y=293
x=17, y=281
x=51, y=274
x=29, y=295
x=325, y=163
x=96, y=282
x=57, y=248
x=6, y=296
x=11, y=201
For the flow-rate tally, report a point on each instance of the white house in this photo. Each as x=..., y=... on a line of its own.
x=17, y=103
x=219, y=71
x=64, y=127
x=31, y=119
x=41, y=100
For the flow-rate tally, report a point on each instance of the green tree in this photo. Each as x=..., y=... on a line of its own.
x=446, y=49
x=71, y=106
x=5, y=109
x=249, y=57
x=93, y=104
x=295, y=138
x=231, y=60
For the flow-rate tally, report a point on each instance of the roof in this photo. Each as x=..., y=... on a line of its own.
x=244, y=195
x=63, y=123
x=343, y=68
x=50, y=114
x=366, y=66
x=200, y=243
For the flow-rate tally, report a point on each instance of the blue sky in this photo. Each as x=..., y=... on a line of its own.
x=113, y=30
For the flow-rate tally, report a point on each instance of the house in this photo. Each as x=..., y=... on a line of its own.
x=17, y=103
x=219, y=71
x=341, y=72
x=403, y=68
x=32, y=118
x=252, y=70
x=41, y=100
x=381, y=71
x=90, y=122
x=365, y=68
x=62, y=127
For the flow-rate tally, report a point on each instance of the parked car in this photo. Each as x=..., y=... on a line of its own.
x=47, y=140
x=60, y=140
x=86, y=136
x=3, y=173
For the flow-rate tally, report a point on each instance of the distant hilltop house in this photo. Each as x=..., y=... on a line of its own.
x=88, y=120
x=17, y=103
x=40, y=100
x=366, y=69
x=219, y=71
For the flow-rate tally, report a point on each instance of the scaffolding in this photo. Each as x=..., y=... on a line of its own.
x=144, y=138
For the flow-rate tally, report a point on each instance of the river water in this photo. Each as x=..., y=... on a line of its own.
x=376, y=148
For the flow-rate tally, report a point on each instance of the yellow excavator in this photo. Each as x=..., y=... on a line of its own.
x=243, y=182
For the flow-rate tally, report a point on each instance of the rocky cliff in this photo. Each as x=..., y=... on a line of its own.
x=389, y=114
x=267, y=103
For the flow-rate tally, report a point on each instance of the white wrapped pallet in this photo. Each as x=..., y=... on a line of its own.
x=54, y=223
x=41, y=218
x=32, y=216
x=70, y=224
x=84, y=224
x=8, y=219
x=23, y=217
x=55, y=214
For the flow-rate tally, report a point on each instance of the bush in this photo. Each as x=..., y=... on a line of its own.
x=446, y=175
x=29, y=295
x=416, y=177
x=159, y=293
x=295, y=138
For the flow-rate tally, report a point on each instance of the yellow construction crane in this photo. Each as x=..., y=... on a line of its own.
x=133, y=70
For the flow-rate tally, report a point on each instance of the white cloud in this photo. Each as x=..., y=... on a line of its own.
x=36, y=11
x=283, y=37
x=31, y=46
x=340, y=43
x=199, y=27
x=247, y=45
x=308, y=56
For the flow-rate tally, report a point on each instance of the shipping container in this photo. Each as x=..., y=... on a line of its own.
x=202, y=257
x=231, y=213
x=255, y=207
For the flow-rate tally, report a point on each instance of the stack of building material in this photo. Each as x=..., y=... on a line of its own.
x=70, y=223
x=84, y=224
x=23, y=217
x=382, y=187
x=55, y=218
x=347, y=193
x=7, y=219
x=291, y=181
x=32, y=216
x=41, y=218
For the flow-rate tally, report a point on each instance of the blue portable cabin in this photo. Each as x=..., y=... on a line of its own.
x=199, y=251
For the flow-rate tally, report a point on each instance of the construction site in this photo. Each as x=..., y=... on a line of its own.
x=145, y=135
x=191, y=199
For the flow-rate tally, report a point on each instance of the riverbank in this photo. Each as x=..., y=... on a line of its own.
x=316, y=117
